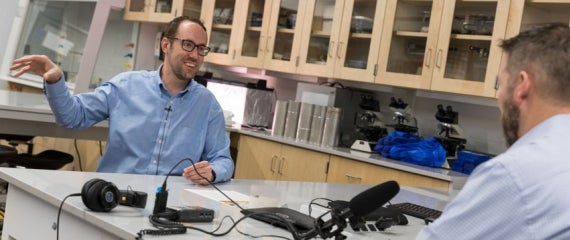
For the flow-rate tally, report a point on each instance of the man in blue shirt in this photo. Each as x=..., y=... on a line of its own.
x=156, y=118
x=522, y=193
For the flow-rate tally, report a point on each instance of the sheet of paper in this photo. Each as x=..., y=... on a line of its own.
x=218, y=197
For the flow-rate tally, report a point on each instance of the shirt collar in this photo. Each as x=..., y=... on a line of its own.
x=163, y=88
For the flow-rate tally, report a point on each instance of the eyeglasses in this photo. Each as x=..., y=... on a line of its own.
x=188, y=45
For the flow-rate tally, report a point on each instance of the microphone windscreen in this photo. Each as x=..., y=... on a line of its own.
x=373, y=198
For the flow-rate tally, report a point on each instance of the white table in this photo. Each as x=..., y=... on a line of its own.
x=35, y=195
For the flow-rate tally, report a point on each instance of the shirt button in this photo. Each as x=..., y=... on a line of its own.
x=154, y=161
x=159, y=140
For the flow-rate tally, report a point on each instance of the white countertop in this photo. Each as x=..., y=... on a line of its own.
x=29, y=114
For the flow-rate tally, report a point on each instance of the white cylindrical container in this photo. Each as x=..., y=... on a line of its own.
x=317, y=124
x=304, y=126
x=279, y=118
x=291, y=120
x=331, y=127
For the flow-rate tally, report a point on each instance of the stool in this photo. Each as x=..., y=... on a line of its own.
x=48, y=159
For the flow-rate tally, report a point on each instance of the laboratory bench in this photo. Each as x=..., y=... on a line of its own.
x=263, y=156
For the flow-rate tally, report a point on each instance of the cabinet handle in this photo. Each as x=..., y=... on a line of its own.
x=438, y=58
x=280, y=171
x=273, y=163
x=353, y=178
x=427, y=57
x=338, y=48
x=350, y=176
x=330, y=49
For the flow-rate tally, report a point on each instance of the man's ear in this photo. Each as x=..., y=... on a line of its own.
x=523, y=87
x=165, y=44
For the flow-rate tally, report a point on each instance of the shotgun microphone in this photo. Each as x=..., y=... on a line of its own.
x=360, y=205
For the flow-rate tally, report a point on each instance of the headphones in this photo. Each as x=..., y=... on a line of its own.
x=102, y=196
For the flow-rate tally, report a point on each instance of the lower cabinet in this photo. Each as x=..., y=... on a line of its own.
x=262, y=159
x=344, y=170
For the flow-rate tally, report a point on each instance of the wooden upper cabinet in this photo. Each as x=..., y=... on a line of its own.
x=443, y=45
x=341, y=39
x=409, y=43
x=222, y=18
x=269, y=34
x=253, y=33
x=359, y=41
x=468, y=56
x=161, y=11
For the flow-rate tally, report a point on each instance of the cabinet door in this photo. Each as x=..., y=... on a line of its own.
x=284, y=35
x=252, y=34
x=468, y=54
x=221, y=20
x=409, y=41
x=137, y=10
x=319, y=44
x=161, y=11
x=193, y=8
x=342, y=170
x=257, y=158
x=297, y=164
x=526, y=14
x=356, y=56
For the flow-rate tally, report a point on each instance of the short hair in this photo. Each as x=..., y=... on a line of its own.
x=172, y=27
x=544, y=52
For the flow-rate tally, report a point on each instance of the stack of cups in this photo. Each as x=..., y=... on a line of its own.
x=279, y=118
x=331, y=127
x=317, y=123
x=304, y=127
x=291, y=120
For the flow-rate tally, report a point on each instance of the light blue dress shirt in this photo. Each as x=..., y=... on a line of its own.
x=149, y=130
x=521, y=194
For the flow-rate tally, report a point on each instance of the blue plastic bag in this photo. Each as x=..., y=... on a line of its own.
x=394, y=139
x=429, y=153
x=467, y=161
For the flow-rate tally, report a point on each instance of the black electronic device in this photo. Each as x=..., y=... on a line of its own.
x=276, y=215
x=190, y=214
x=132, y=198
x=359, y=206
x=102, y=196
x=387, y=214
x=307, y=227
x=418, y=211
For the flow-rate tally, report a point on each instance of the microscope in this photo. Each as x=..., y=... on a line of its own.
x=368, y=124
x=402, y=117
x=450, y=134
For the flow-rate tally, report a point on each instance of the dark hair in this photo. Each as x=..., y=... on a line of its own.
x=172, y=27
x=543, y=52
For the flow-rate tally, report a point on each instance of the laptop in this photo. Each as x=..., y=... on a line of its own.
x=302, y=222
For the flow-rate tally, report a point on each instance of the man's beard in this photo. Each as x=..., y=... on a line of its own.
x=510, y=121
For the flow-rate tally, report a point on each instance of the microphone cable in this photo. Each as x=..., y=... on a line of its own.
x=59, y=212
x=313, y=202
x=163, y=221
x=213, y=185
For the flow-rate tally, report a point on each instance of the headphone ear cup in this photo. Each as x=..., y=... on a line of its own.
x=100, y=195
